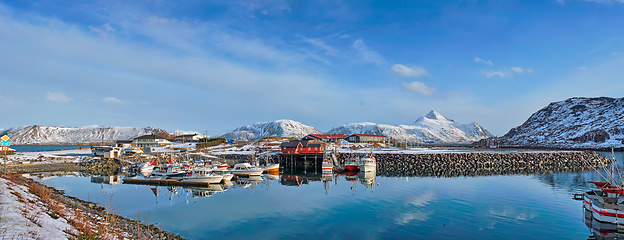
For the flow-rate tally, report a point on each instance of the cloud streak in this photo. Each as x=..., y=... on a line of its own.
x=58, y=97
x=479, y=60
x=365, y=54
x=418, y=87
x=405, y=71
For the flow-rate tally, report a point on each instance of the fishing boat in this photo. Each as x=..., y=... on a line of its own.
x=272, y=168
x=246, y=169
x=217, y=164
x=327, y=167
x=146, y=167
x=352, y=164
x=368, y=164
x=203, y=175
x=168, y=171
x=606, y=204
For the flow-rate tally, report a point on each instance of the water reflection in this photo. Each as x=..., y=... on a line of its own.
x=112, y=180
x=600, y=230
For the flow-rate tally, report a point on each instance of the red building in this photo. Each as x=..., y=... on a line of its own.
x=302, y=146
x=325, y=137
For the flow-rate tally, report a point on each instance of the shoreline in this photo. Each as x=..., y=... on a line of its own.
x=93, y=213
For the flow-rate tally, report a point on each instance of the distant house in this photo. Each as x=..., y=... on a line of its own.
x=189, y=137
x=302, y=146
x=367, y=138
x=124, y=143
x=150, y=141
x=325, y=137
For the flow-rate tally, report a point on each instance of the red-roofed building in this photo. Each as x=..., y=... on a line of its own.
x=367, y=138
x=325, y=137
x=302, y=146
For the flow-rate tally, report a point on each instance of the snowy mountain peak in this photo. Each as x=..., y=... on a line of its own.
x=433, y=115
x=60, y=134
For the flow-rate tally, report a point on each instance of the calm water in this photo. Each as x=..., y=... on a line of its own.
x=490, y=207
x=43, y=148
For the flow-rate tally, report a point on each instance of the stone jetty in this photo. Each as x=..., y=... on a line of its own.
x=485, y=164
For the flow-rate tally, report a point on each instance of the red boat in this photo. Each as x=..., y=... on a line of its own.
x=352, y=164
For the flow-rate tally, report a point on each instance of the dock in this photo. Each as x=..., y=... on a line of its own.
x=165, y=182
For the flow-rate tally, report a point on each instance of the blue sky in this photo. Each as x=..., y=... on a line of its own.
x=216, y=65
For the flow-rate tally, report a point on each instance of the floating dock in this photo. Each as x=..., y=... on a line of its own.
x=166, y=182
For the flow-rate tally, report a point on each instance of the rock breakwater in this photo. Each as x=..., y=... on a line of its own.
x=485, y=164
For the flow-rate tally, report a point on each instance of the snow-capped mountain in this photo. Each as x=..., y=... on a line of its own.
x=577, y=122
x=279, y=128
x=433, y=127
x=59, y=134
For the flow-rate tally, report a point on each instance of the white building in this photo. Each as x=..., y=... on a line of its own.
x=150, y=141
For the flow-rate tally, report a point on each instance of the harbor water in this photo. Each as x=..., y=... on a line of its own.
x=362, y=206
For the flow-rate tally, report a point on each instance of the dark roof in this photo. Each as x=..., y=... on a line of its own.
x=327, y=136
x=304, y=143
x=187, y=135
x=124, y=141
x=368, y=135
x=151, y=136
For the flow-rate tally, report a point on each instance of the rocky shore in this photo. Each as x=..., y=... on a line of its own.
x=133, y=228
x=484, y=164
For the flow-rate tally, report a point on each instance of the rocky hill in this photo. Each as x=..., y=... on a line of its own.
x=432, y=128
x=577, y=122
x=59, y=134
x=279, y=128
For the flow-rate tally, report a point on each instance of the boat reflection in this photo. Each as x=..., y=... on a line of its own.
x=112, y=180
x=602, y=230
x=206, y=191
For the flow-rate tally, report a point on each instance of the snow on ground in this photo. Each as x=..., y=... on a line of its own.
x=23, y=215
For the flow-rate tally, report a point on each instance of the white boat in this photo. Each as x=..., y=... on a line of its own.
x=203, y=175
x=368, y=164
x=146, y=167
x=327, y=167
x=168, y=171
x=246, y=169
x=227, y=176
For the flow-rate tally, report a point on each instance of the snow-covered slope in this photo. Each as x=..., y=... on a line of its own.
x=279, y=128
x=577, y=122
x=60, y=134
x=433, y=127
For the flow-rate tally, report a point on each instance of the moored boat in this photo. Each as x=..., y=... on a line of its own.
x=246, y=169
x=203, y=175
x=352, y=164
x=368, y=164
x=272, y=168
x=168, y=171
x=605, y=204
x=327, y=167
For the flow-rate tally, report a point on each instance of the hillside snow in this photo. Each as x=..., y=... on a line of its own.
x=434, y=127
x=577, y=122
x=279, y=128
x=59, y=134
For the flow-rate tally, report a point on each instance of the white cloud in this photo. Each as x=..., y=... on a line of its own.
x=497, y=73
x=418, y=87
x=365, y=54
x=113, y=100
x=521, y=70
x=405, y=71
x=105, y=30
x=562, y=2
x=57, y=97
x=582, y=67
x=479, y=60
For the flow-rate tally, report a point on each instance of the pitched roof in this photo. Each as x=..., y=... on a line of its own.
x=304, y=143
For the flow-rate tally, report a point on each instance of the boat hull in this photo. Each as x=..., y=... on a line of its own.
x=272, y=168
x=206, y=179
x=352, y=167
x=248, y=173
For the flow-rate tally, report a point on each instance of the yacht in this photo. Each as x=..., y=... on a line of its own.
x=246, y=169
x=203, y=175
